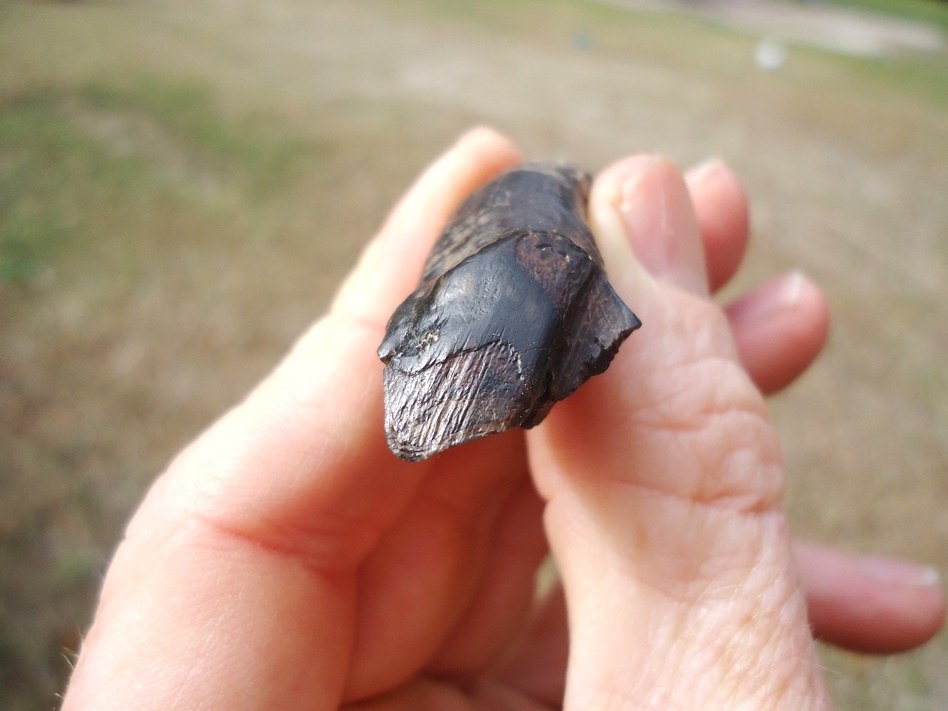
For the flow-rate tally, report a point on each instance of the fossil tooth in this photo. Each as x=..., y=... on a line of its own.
x=512, y=314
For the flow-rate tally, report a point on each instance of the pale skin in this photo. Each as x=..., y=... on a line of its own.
x=286, y=560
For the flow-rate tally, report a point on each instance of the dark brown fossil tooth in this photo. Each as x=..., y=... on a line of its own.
x=513, y=313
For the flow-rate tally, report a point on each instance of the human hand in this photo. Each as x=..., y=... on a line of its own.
x=287, y=560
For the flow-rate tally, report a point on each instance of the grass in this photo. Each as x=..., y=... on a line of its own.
x=69, y=155
x=44, y=160
x=934, y=12
x=247, y=145
x=182, y=188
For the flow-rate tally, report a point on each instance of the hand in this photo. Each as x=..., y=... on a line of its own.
x=287, y=560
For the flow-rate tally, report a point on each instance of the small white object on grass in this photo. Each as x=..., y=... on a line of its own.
x=770, y=54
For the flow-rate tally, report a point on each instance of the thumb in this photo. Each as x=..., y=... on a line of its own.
x=662, y=482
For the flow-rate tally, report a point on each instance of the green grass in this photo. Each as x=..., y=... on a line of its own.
x=926, y=77
x=41, y=156
x=248, y=144
x=27, y=242
x=934, y=12
x=60, y=163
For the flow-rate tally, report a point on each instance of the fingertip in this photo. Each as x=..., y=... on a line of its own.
x=390, y=264
x=492, y=143
x=779, y=329
x=869, y=604
x=475, y=157
x=723, y=213
x=642, y=207
x=623, y=267
x=811, y=300
x=807, y=309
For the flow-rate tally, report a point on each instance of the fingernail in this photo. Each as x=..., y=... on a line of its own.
x=635, y=171
x=899, y=572
x=655, y=207
x=607, y=217
x=642, y=211
x=791, y=288
x=771, y=299
x=704, y=171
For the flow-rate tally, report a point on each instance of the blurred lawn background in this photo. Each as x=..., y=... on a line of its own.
x=184, y=183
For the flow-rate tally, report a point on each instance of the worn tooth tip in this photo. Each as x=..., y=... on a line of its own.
x=409, y=453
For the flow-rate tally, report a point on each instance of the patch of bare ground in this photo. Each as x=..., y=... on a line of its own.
x=191, y=251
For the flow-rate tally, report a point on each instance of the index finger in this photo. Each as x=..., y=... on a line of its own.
x=390, y=265
x=264, y=518
x=314, y=426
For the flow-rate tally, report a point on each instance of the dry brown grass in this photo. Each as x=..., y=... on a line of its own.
x=188, y=181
